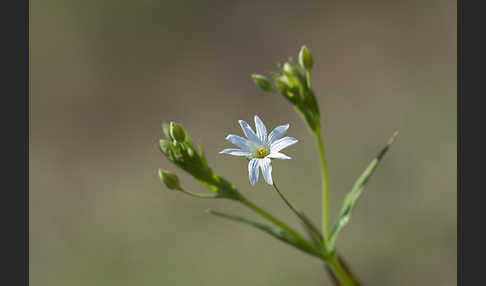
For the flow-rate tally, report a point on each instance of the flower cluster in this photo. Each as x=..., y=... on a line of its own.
x=293, y=83
x=179, y=149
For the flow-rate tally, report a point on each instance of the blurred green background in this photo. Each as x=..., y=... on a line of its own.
x=106, y=74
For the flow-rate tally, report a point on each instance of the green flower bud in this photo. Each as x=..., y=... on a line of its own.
x=166, y=129
x=164, y=146
x=177, y=132
x=262, y=82
x=305, y=58
x=287, y=67
x=280, y=83
x=169, y=179
x=288, y=80
x=190, y=152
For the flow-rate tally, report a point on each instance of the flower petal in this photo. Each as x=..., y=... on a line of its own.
x=277, y=133
x=235, y=152
x=282, y=143
x=266, y=166
x=253, y=171
x=277, y=155
x=261, y=130
x=239, y=141
x=249, y=132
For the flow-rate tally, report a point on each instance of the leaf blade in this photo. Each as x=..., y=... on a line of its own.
x=352, y=197
x=275, y=232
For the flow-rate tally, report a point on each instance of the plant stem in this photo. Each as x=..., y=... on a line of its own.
x=291, y=207
x=302, y=241
x=196, y=195
x=307, y=73
x=325, y=187
x=342, y=274
x=314, y=233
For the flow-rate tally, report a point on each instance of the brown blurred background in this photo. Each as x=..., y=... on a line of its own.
x=105, y=75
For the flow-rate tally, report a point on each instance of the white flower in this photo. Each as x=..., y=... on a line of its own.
x=260, y=148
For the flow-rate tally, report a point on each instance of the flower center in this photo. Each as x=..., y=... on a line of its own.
x=261, y=152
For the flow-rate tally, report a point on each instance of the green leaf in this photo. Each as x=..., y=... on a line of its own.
x=275, y=232
x=356, y=191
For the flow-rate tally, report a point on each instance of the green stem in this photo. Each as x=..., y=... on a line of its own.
x=196, y=195
x=325, y=187
x=315, y=235
x=308, y=79
x=342, y=274
x=291, y=207
x=303, y=242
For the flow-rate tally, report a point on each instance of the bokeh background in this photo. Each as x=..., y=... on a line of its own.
x=106, y=74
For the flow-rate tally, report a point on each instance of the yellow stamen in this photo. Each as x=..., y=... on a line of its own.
x=261, y=153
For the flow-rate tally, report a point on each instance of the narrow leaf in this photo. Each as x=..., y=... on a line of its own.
x=275, y=232
x=352, y=197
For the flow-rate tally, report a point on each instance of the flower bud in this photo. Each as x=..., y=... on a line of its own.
x=288, y=68
x=169, y=179
x=177, y=132
x=305, y=58
x=164, y=146
x=262, y=82
x=289, y=80
x=166, y=129
x=190, y=152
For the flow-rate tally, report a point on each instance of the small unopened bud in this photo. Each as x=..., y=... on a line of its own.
x=164, y=146
x=166, y=129
x=177, y=132
x=169, y=179
x=190, y=152
x=262, y=82
x=280, y=83
x=287, y=67
x=289, y=80
x=305, y=58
